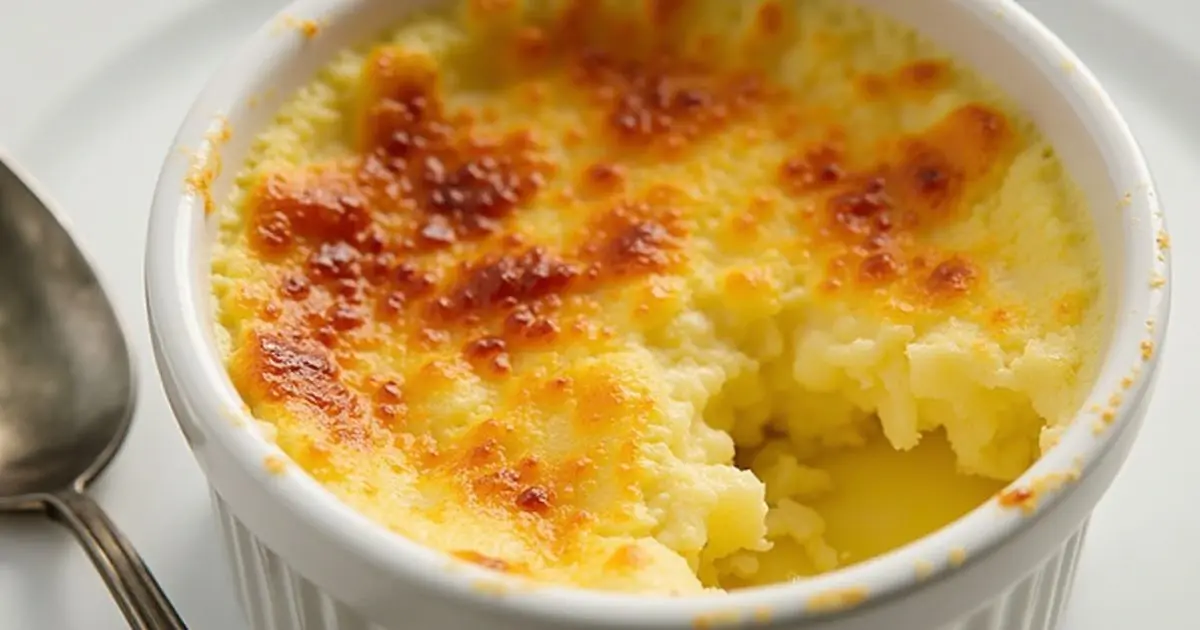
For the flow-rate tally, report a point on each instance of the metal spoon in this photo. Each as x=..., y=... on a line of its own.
x=66, y=392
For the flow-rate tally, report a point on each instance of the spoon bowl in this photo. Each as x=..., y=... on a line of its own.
x=67, y=391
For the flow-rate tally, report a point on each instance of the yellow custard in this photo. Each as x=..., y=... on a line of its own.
x=657, y=296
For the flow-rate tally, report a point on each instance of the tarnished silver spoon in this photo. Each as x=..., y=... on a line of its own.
x=67, y=392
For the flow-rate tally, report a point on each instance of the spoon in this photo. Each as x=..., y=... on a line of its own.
x=66, y=393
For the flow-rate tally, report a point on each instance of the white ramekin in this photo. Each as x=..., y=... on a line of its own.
x=302, y=559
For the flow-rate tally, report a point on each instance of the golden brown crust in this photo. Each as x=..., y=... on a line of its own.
x=873, y=215
x=415, y=241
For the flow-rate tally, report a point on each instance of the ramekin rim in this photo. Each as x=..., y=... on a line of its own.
x=189, y=360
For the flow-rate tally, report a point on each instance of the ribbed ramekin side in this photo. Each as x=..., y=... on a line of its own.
x=1036, y=601
x=272, y=595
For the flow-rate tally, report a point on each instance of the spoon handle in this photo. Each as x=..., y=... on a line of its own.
x=138, y=594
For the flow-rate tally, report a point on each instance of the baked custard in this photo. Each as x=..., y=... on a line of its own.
x=657, y=297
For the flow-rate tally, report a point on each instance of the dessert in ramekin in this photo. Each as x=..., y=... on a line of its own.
x=655, y=314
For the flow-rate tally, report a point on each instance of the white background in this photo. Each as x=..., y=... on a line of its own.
x=91, y=92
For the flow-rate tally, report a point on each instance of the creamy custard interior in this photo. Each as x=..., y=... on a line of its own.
x=656, y=296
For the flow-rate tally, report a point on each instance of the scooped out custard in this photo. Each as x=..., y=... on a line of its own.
x=657, y=297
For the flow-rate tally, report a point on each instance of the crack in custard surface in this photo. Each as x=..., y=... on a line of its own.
x=626, y=317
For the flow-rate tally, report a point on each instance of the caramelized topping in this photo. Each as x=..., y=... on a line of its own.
x=525, y=323
x=873, y=215
x=815, y=169
x=489, y=349
x=603, y=177
x=295, y=287
x=769, y=19
x=924, y=75
x=916, y=79
x=424, y=180
x=389, y=403
x=357, y=235
x=506, y=484
x=668, y=103
x=639, y=244
x=424, y=239
x=419, y=167
x=506, y=282
x=335, y=261
x=664, y=13
x=321, y=205
x=300, y=370
x=638, y=236
x=951, y=277
x=463, y=185
x=534, y=499
x=879, y=268
x=285, y=368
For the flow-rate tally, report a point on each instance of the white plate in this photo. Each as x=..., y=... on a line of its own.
x=91, y=92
